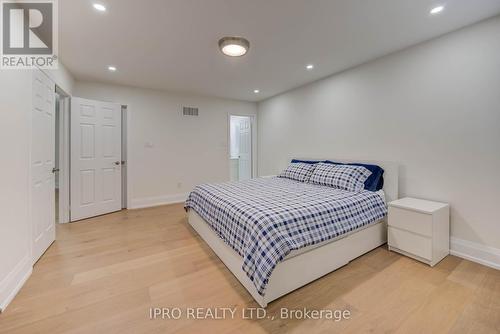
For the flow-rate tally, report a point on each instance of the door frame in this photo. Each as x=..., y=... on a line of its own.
x=128, y=166
x=253, y=124
x=64, y=155
x=125, y=166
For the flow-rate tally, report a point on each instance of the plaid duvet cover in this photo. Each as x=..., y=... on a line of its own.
x=264, y=219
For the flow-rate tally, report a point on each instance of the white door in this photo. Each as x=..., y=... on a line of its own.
x=42, y=164
x=245, y=156
x=95, y=158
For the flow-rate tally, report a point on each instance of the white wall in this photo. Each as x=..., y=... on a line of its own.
x=434, y=108
x=186, y=150
x=15, y=252
x=15, y=139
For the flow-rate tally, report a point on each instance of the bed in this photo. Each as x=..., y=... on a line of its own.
x=276, y=235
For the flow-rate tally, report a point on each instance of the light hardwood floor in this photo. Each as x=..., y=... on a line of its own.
x=102, y=275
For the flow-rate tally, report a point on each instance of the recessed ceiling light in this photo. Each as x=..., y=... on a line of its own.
x=310, y=66
x=234, y=46
x=99, y=7
x=436, y=10
x=112, y=68
x=256, y=91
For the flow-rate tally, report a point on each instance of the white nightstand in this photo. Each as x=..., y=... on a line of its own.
x=419, y=229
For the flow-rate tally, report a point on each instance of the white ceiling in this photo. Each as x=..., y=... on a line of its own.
x=172, y=44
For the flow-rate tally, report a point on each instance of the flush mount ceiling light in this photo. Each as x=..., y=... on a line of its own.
x=436, y=10
x=256, y=91
x=99, y=7
x=112, y=68
x=310, y=67
x=234, y=46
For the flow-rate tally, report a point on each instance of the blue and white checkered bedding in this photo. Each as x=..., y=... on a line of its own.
x=265, y=219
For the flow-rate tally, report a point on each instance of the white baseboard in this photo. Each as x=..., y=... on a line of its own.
x=14, y=281
x=485, y=255
x=146, y=202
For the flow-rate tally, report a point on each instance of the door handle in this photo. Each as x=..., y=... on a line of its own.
x=117, y=163
x=55, y=170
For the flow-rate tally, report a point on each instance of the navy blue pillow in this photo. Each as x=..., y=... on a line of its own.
x=310, y=162
x=375, y=181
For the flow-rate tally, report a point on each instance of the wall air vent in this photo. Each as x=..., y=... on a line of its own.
x=190, y=111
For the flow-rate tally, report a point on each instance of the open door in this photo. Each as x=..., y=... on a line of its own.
x=42, y=164
x=96, y=185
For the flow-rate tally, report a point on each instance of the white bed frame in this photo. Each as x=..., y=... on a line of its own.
x=317, y=261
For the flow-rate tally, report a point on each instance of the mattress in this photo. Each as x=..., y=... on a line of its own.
x=266, y=219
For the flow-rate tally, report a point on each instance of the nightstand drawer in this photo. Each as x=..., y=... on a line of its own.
x=412, y=221
x=409, y=242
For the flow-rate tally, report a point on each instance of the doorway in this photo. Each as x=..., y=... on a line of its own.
x=240, y=147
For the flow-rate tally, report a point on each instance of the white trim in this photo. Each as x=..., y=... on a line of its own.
x=146, y=202
x=485, y=255
x=14, y=281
